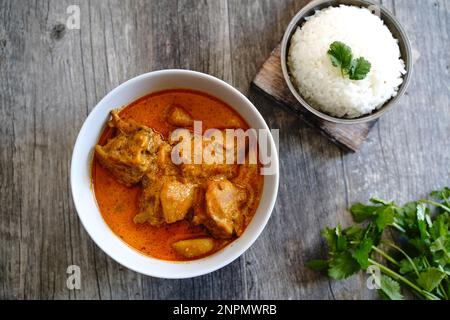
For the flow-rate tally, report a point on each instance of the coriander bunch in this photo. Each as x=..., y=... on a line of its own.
x=417, y=258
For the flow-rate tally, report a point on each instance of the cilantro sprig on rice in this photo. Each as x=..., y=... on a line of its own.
x=341, y=56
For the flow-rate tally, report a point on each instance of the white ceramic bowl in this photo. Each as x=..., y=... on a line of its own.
x=83, y=194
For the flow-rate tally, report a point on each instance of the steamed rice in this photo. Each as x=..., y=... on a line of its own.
x=322, y=84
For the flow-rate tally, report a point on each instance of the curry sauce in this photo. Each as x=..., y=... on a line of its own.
x=119, y=204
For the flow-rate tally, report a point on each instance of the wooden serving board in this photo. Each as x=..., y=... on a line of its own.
x=270, y=81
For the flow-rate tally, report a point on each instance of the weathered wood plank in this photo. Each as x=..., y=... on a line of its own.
x=52, y=77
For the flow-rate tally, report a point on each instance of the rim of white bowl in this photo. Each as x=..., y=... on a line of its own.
x=188, y=272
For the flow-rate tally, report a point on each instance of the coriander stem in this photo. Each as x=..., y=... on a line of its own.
x=443, y=293
x=443, y=290
x=405, y=254
x=388, y=257
x=395, y=275
x=399, y=228
x=436, y=204
x=447, y=204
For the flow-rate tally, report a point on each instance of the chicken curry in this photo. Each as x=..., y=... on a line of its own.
x=165, y=210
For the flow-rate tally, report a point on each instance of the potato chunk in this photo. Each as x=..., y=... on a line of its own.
x=176, y=200
x=179, y=117
x=193, y=248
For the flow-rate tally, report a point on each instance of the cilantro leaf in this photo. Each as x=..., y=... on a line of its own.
x=359, y=69
x=376, y=200
x=341, y=56
x=441, y=244
x=361, y=212
x=384, y=217
x=406, y=266
x=422, y=221
x=440, y=226
x=440, y=250
x=353, y=233
x=390, y=288
x=362, y=253
x=430, y=278
x=336, y=241
x=406, y=216
x=419, y=249
x=382, y=213
x=443, y=194
x=330, y=237
x=342, y=266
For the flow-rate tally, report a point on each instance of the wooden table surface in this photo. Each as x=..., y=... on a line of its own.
x=51, y=77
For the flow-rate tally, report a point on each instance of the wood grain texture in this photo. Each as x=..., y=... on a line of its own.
x=51, y=78
x=270, y=81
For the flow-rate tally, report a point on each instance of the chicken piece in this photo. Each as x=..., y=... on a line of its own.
x=179, y=117
x=164, y=161
x=129, y=156
x=210, y=158
x=247, y=180
x=131, y=153
x=201, y=171
x=150, y=209
x=129, y=126
x=221, y=214
x=199, y=208
x=176, y=200
x=164, y=200
x=193, y=248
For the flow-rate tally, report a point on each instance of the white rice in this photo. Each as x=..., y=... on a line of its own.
x=322, y=84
